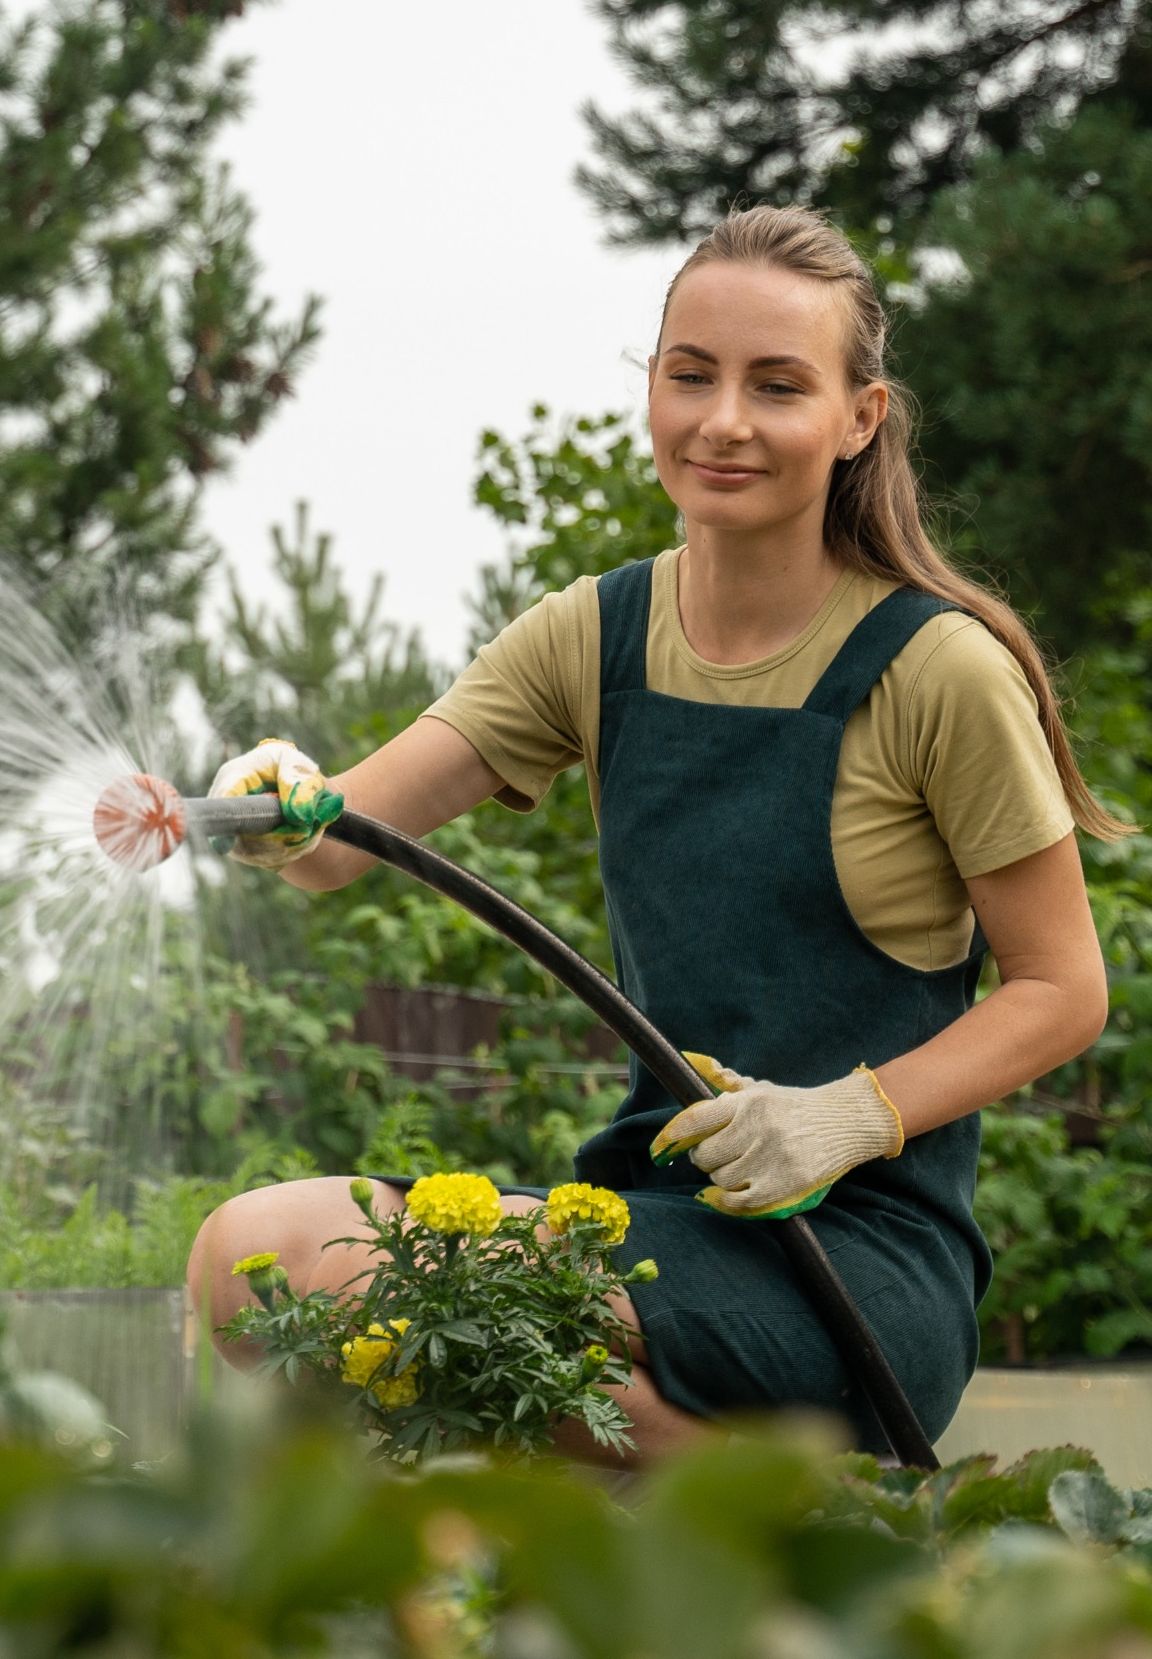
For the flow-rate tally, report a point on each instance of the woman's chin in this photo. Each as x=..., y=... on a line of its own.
x=710, y=516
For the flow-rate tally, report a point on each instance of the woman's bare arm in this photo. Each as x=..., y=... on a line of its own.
x=1051, y=1004
x=423, y=778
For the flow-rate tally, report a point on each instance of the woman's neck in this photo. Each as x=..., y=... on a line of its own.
x=738, y=605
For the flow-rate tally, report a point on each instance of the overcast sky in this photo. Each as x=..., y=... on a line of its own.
x=412, y=164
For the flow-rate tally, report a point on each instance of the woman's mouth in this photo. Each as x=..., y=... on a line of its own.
x=724, y=477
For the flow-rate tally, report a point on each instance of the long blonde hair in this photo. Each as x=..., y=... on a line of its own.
x=874, y=519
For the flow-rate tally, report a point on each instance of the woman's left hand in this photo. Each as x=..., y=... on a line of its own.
x=277, y=767
x=773, y=1151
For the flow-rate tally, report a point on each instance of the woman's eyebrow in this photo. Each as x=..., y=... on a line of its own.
x=778, y=362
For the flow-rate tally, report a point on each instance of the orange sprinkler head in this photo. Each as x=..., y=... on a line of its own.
x=139, y=821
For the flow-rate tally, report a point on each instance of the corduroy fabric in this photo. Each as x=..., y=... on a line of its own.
x=731, y=934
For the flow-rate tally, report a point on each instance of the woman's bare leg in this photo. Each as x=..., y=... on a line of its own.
x=298, y=1218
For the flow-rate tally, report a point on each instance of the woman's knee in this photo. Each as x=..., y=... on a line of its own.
x=242, y=1226
x=295, y=1219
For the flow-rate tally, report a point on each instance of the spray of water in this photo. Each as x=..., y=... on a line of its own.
x=81, y=937
x=116, y=1040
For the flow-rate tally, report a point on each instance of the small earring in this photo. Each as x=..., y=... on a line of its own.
x=848, y=455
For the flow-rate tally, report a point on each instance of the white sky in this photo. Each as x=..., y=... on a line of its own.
x=413, y=166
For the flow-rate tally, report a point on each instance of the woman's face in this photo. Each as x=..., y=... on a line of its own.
x=748, y=401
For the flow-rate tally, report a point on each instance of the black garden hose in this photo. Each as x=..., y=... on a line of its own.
x=857, y=1344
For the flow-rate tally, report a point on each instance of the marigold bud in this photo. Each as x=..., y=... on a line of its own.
x=362, y=1194
x=264, y=1282
x=643, y=1273
x=594, y=1361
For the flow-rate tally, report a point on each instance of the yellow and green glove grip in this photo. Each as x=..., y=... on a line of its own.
x=775, y=1151
x=277, y=767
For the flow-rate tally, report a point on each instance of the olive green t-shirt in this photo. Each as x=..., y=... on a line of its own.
x=944, y=770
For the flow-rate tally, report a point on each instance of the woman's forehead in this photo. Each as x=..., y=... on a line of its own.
x=757, y=310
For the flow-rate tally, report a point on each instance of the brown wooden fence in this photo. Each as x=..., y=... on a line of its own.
x=427, y=1030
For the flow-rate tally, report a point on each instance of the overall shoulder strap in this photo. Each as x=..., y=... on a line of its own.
x=870, y=647
x=625, y=597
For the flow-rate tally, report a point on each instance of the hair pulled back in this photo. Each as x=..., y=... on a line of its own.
x=874, y=520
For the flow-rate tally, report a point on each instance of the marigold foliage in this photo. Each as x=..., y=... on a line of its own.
x=255, y=1264
x=456, y=1203
x=364, y=1355
x=577, y=1201
x=509, y=1325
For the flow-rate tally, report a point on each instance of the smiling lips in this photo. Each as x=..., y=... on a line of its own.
x=723, y=474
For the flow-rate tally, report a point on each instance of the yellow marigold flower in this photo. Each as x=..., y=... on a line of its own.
x=364, y=1354
x=577, y=1201
x=456, y=1204
x=403, y=1390
x=255, y=1264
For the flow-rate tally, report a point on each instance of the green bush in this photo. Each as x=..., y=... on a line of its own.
x=303, y=1103
x=272, y=1537
x=93, y=1245
x=1068, y=1222
x=1068, y=1229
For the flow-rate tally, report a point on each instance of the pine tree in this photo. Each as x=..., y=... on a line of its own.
x=136, y=352
x=746, y=100
x=325, y=669
x=1032, y=358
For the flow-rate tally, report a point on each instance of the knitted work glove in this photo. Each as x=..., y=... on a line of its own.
x=277, y=767
x=774, y=1151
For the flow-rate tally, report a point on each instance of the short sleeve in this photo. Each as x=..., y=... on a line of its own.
x=978, y=754
x=517, y=702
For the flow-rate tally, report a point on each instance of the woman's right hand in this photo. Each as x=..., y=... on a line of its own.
x=277, y=767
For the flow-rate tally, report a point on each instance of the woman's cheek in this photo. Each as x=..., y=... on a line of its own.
x=664, y=471
x=809, y=446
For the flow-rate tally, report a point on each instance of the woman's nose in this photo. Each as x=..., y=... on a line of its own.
x=726, y=419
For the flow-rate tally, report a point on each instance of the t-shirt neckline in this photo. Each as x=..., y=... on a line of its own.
x=668, y=599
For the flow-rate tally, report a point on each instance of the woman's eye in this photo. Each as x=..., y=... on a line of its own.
x=688, y=377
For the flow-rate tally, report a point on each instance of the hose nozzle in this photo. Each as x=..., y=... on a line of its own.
x=140, y=820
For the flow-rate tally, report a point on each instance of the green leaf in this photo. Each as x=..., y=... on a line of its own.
x=1087, y=1507
x=979, y=1499
x=900, y=1513
x=465, y=1330
x=1137, y=1529
x=1032, y=1476
x=831, y=1568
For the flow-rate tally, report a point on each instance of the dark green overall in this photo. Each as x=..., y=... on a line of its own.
x=731, y=933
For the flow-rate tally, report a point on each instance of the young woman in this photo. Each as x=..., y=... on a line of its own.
x=828, y=772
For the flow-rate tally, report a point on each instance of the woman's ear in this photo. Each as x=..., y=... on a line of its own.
x=871, y=410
